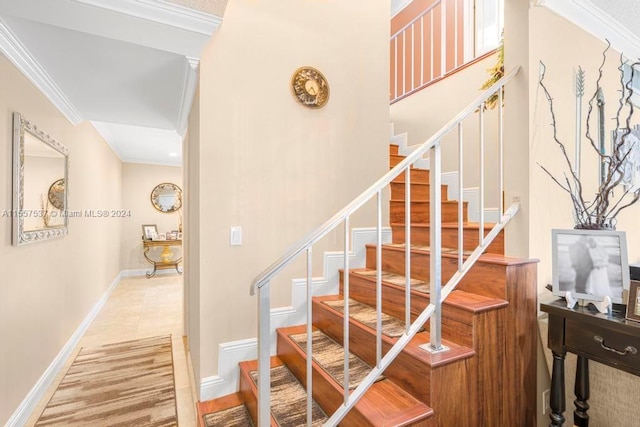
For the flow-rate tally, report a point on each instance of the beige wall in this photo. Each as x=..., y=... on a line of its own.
x=138, y=181
x=563, y=47
x=49, y=287
x=271, y=166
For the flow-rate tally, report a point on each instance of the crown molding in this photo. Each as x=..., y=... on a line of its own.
x=161, y=12
x=188, y=91
x=597, y=22
x=18, y=54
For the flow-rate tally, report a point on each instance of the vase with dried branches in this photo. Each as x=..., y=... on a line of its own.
x=612, y=195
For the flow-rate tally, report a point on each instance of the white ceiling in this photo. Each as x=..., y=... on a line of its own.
x=129, y=66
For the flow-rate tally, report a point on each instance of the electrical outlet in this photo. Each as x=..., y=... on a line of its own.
x=516, y=199
x=546, y=401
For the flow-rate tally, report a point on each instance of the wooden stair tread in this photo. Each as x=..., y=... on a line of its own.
x=456, y=352
x=488, y=258
x=384, y=404
x=467, y=301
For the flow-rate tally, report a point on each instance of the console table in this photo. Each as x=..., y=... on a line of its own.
x=166, y=256
x=605, y=338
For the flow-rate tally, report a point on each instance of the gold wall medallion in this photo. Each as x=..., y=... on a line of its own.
x=310, y=87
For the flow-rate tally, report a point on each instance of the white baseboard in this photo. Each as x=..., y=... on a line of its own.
x=35, y=395
x=144, y=271
x=404, y=149
x=231, y=353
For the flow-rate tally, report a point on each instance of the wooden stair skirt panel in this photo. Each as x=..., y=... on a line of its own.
x=421, y=235
x=384, y=404
x=419, y=192
x=420, y=211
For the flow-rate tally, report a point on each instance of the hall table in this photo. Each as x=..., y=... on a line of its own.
x=166, y=256
x=606, y=338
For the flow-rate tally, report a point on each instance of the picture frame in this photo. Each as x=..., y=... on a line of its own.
x=590, y=264
x=633, y=307
x=148, y=231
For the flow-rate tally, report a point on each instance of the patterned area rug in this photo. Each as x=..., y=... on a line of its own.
x=367, y=315
x=398, y=280
x=238, y=416
x=330, y=356
x=124, y=384
x=289, y=400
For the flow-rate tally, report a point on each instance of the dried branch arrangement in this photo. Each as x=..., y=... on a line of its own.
x=611, y=197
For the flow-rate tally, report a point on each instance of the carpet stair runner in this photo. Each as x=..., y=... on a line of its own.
x=485, y=378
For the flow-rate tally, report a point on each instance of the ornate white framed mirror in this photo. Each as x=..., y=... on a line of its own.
x=40, y=184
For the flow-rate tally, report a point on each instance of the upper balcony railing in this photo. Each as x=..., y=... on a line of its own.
x=445, y=36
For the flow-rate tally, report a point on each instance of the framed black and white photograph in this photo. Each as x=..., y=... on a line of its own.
x=591, y=264
x=149, y=231
x=633, y=307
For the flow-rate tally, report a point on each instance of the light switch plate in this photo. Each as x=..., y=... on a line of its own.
x=235, y=236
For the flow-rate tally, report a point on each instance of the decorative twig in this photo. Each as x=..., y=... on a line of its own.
x=605, y=207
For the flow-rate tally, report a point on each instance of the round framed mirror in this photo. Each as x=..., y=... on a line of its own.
x=166, y=197
x=56, y=194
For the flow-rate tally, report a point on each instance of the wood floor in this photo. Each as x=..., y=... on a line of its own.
x=141, y=308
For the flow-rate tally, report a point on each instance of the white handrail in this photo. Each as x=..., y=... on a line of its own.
x=325, y=228
x=438, y=292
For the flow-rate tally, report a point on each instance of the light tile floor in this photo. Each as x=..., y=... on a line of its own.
x=141, y=308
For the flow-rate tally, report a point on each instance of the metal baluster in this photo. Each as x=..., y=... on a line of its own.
x=413, y=56
x=309, y=338
x=443, y=38
x=395, y=94
x=379, y=281
x=407, y=247
x=481, y=181
x=460, y=197
x=346, y=309
x=435, y=224
x=421, y=50
x=431, y=77
x=264, y=356
x=501, y=156
x=455, y=33
x=404, y=72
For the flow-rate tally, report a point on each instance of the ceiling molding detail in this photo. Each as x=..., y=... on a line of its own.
x=161, y=12
x=597, y=22
x=17, y=53
x=188, y=92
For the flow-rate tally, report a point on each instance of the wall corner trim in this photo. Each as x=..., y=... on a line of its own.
x=18, y=54
x=30, y=402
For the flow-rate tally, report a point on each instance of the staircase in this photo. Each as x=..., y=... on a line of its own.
x=486, y=377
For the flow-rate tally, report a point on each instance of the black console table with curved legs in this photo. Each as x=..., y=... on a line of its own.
x=606, y=338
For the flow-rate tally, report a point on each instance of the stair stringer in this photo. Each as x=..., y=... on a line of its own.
x=234, y=352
